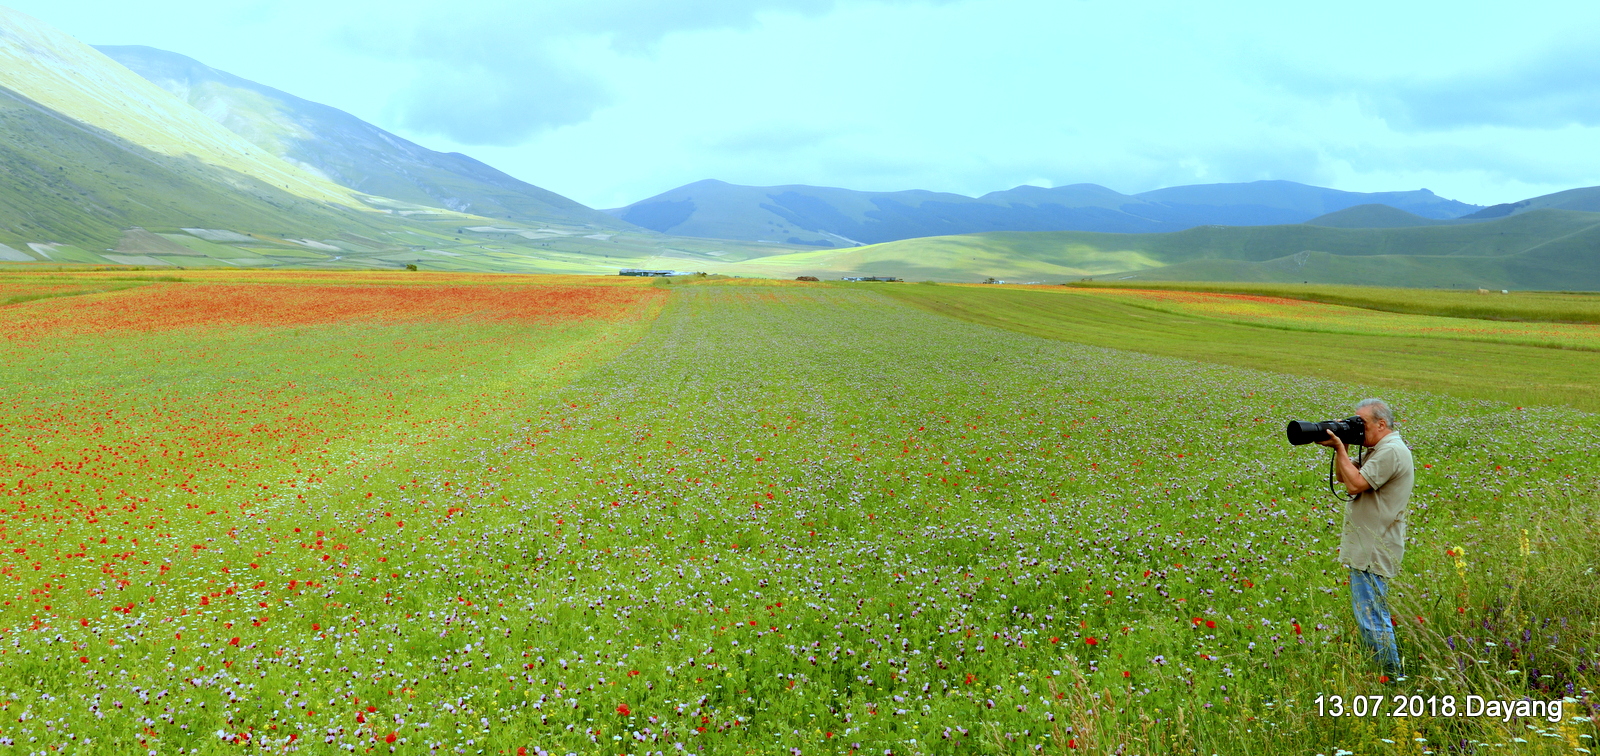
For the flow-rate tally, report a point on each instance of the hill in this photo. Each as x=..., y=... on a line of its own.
x=1586, y=199
x=831, y=217
x=104, y=167
x=1372, y=216
x=1259, y=203
x=68, y=182
x=1544, y=249
x=349, y=151
x=50, y=68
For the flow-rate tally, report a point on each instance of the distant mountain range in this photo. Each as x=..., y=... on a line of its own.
x=347, y=150
x=1537, y=249
x=189, y=166
x=829, y=217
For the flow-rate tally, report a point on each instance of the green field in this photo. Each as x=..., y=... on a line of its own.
x=420, y=513
x=1477, y=369
x=1528, y=306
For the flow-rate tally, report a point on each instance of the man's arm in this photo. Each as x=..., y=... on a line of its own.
x=1344, y=468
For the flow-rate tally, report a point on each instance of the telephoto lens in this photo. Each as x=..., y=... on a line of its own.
x=1351, y=430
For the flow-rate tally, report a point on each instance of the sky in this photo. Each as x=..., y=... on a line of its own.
x=612, y=101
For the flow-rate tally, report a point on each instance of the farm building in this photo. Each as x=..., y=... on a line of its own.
x=869, y=278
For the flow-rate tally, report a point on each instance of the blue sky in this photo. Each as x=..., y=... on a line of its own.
x=611, y=101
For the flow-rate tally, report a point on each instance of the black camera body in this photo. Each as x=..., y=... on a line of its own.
x=1351, y=430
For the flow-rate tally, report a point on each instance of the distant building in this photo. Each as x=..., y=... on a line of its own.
x=869, y=278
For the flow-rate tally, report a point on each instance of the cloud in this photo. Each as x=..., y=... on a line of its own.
x=1553, y=89
x=500, y=73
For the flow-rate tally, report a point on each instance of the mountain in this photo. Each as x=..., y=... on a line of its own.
x=101, y=166
x=69, y=182
x=1372, y=216
x=1540, y=249
x=1586, y=199
x=830, y=217
x=57, y=72
x=347, y=150
x=1261, y=203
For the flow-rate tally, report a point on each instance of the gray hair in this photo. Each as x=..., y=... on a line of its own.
x=1380, y=410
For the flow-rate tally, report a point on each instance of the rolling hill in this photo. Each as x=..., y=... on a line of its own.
x=56, y=71
x=1374, y=216
x=829, y=217
x=348, y=151
x=1542, y=249
x=1586, y=199
x=66, y=182
x=104, y=167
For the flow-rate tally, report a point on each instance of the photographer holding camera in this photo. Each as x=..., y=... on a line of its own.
x=1374, y=537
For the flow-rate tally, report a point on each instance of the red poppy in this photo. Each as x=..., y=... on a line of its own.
x=1211, y=624
x=1091, y=641
x=390, y=738
x=624, y=710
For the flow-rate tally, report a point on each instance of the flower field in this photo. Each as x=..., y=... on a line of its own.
x=1279, y=312
x=310, y=516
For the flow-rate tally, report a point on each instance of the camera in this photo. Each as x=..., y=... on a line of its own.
x=1351, y=430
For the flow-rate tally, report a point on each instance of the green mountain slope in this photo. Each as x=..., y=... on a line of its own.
x=349, y=151
x=830, y=217
x=65, y=181
x=73, y=193
x=58, y=72
x=1545, y=249
x=1586, y=199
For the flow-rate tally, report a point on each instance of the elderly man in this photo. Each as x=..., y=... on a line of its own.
x=1374, y=537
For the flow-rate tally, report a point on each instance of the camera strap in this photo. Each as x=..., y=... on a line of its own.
x=1333, y=477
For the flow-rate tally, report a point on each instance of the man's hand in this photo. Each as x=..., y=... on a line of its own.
x=1346, y=470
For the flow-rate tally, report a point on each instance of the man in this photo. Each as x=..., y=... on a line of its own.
x=1374, y=537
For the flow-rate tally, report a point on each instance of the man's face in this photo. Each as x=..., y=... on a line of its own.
x=1374, y=428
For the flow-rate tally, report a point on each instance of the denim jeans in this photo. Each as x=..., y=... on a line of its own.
x=1369, y=594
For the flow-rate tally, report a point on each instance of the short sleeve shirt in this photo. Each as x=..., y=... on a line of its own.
x=1374, y=537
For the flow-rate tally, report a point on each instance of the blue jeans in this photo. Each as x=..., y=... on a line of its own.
x=1369, y=597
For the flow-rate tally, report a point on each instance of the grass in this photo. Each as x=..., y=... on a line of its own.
x=1531, y=306
x=763, y=518
x=1302, y=315
x=1497, y=371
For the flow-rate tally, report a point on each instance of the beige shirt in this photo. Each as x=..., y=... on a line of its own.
x=1374, y=537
